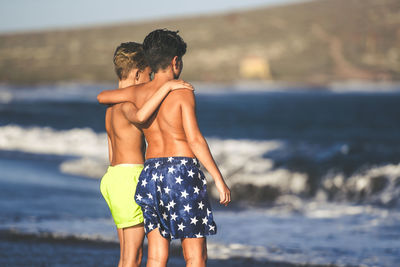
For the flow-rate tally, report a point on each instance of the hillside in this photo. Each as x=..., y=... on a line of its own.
x=312, y=42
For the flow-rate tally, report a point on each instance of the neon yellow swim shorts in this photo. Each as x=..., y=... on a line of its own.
x=118, y=188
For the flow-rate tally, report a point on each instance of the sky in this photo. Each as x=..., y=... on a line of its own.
x=28, y=15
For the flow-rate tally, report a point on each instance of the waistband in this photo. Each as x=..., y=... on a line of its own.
x=126, y=165
x=173, y=160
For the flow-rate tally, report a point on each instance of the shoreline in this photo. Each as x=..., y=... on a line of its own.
x=32, y=250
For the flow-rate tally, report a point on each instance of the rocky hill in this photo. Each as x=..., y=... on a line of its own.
x=310, y=42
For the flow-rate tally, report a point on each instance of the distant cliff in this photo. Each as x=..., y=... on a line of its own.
x=312, y=42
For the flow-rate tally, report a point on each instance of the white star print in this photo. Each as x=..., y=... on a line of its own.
x=181, y=226
x=199, y=175
x=204, y=181
x=139, y=197
x=170, y=159
x=190, y=173
x=208, y=212
x=193, y=220
x=165, y=216
x=151, y=226
x=164, y=233
x=149, y=195
x=194, y=161
x=161, y=177
x=183, y=162
x=187, y=208
x=155, y=177
x=171, y=204
x=167, y=190
x=157, y=164
x=146, y=168
x=199, y=235
x=144, y=183
x=205, y=220
x=184, y=194
x=178, y=180
x=171, y=170
x=158, y=188
x=201, y=205
x=196, y=190
x=212, y=227
x=173, y=216
x=161, y=203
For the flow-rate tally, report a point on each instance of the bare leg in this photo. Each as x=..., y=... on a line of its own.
x=121, y=246
x=133, y=246
x=195, y=251
x=158, y=249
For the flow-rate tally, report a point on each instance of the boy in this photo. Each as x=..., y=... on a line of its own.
x=171, y=189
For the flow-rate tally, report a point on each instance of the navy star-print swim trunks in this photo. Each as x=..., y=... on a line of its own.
x=172, y=193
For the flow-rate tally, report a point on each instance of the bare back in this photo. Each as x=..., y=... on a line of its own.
x=164, y=132
x=126, y=138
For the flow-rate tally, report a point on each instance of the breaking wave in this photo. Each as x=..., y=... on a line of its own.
x=253, y=169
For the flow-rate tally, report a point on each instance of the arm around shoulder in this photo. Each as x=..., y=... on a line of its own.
x=116, y=96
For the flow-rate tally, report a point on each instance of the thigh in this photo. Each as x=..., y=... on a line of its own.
x=133, y=238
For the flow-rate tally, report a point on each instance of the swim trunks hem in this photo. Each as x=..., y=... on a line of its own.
x=130, y=224
x=203, y=235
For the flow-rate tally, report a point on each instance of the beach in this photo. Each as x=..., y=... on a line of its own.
x=31, y=250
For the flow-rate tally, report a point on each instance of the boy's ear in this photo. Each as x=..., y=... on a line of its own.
x=175, y=63
x=137, y=75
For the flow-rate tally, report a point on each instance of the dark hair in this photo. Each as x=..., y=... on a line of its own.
x=161, y=46
x=129, y=56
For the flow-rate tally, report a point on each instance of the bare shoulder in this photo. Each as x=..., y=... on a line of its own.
x=183, y=96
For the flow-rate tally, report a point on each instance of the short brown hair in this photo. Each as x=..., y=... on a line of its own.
x=128, y=56
x=161, y=46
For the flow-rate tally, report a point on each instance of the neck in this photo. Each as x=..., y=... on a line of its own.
x=125, y=83
x=163, y=76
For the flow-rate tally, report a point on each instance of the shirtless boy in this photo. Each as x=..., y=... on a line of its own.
x=171, y=189
x=125, y=143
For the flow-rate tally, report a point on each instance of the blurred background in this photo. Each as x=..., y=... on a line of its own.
x=299, y=101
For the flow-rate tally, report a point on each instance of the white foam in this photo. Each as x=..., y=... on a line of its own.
x=45, y=140
x=240, y=161
x=87, y=167
x=88, y=146
x=361, y=185
x=243, y=162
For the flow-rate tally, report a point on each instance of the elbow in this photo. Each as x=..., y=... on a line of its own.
x=100, y=98
x=195, y=141
x=140, y=119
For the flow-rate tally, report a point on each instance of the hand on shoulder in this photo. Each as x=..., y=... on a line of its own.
x=178, y=85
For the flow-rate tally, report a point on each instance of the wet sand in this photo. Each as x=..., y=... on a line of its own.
x=30, y=250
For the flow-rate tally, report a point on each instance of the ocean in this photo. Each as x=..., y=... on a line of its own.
x=314, y=174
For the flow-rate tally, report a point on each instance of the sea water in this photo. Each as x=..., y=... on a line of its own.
x=314, y=174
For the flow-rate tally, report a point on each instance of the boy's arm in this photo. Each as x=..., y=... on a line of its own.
x=115, y=96
x=126, y=94
x=141, y=115
x=199, y=145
